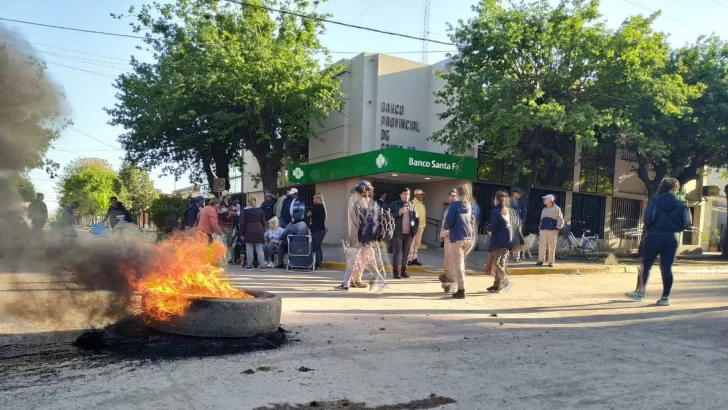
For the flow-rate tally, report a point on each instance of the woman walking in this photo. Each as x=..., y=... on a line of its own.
x=252, y=228
x=272, y=238
x=665, y=217
x=207, y=220
x=318, y=227
x=502, y=228
x=460, y=222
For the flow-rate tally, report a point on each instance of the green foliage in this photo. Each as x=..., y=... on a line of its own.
x=224, y=76
x=166, y=211
x=91, y=182
x=20, y=184
x=680, y=142
x=530, y=79
x=138, y=190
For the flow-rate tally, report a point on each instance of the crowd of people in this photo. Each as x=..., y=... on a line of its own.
x=666, y=216
x=260, y=231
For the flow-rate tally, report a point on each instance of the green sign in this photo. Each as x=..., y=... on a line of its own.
x=385, y=161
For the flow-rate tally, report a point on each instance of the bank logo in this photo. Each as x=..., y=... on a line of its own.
x=381, y=161
x=298, y=173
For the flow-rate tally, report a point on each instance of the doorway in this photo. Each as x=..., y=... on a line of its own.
x=392, y=191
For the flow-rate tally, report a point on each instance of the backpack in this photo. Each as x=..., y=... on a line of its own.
x=368, y=230
x=385, y=230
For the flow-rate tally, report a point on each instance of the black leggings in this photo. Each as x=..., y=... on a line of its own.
x=664, y=245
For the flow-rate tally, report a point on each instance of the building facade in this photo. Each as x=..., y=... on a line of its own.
x=383, y=132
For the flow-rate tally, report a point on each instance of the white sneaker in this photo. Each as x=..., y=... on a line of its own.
x=262, y=269
x=270, y=265
x=381, y=287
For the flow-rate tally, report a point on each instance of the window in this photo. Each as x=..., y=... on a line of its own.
x=597, y=168
x=491, y=169
x=625, y=220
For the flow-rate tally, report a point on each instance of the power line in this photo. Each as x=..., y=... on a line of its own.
x=95, y=139
x=325, y=20
x=666, y=17
x=81, y=69
x=73, y=58
x=78, y=51
x=73, y=29
x=391, y=52
x=720, y=4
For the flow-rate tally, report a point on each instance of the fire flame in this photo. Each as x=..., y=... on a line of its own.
x=180, y=268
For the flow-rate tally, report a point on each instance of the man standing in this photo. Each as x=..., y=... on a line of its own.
x=111, y=213
x=193, y=210
x=552, y=220
x=520, y=208
x=448, y=277
x=38, y=213
x=268, y=207
x=417, y=240
x=382, y=201
x=285, y=213
x=296, y=206
x=226, y=217
x=406, y=223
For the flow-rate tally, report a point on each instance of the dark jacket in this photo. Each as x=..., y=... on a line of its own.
x=459, y=221
x=252, y=225
x=318, y=218
x=501, y=229
x=269, y=210
x=666, y=214
x=520, y=208
x=394, y=207
x=286, y=211
x=117, y=213
x=38, y=211
x=191, y=214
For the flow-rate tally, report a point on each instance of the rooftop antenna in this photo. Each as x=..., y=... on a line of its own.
x=425, y=29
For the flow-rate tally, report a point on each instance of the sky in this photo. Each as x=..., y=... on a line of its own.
x=84, y=64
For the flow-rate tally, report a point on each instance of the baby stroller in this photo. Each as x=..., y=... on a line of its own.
x=300, y=253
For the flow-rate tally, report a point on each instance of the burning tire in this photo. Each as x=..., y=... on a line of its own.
x=223, y=317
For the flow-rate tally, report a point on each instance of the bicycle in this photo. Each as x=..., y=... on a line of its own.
x=588, y=246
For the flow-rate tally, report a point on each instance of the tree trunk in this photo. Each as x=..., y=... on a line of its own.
x=269, y=173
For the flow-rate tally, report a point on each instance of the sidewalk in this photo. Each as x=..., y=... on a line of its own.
x=432, y=263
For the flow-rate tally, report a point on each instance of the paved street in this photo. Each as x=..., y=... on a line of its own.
x=558, y=341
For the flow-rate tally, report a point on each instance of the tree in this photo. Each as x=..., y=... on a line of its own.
x=25, y=187
x=91, y=182
x=166, y=212
x=224, y=77
x=684, y=142
x=530, y=79
x=138, y=190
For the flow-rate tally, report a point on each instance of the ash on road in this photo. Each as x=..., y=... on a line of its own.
x=555, y=342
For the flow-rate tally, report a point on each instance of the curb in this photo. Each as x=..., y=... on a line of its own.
x=548, y=271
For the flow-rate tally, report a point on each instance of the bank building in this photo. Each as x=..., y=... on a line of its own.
x=382, y=135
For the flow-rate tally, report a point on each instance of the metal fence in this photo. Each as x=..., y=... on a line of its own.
x=535, y=205
x=484, y=193
x=625, y=220
x=588, y=212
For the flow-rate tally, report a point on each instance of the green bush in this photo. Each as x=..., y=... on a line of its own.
x=166, y=212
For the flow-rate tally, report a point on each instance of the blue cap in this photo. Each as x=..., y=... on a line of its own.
x=199, y=198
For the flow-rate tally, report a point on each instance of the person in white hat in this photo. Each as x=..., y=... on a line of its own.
x=552, y=221
x=417, y=240
x=291, y=206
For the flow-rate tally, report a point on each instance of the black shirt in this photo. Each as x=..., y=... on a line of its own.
x=318, y=218
x=268, y=208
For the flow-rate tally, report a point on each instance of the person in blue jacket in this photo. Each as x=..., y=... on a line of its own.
x=665, y=217
x=502, y=231
x=460, y=222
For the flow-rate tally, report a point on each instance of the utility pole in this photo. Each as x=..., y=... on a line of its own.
x=243, y=199
x=425, y=29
